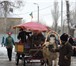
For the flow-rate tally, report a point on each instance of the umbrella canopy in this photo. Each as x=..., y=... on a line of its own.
x=33, y=26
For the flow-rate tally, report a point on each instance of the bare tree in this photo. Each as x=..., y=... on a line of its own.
x=73, y=16
x=55, y=14
x=68, y=16
x=72, y=21
x=6, y=7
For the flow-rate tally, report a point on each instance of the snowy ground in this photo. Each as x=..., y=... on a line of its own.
x=3, y=51
x=3, y=58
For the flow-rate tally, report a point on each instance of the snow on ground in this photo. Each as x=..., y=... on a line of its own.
x=3, y=51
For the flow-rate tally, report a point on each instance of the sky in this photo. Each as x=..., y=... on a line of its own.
x=45, y=7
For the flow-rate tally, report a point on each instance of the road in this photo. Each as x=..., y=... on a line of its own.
x=4, y=62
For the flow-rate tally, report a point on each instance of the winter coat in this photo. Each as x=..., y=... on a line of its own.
x=65, y=50
x=22, y=36
x=9, y=42
x=71, y=41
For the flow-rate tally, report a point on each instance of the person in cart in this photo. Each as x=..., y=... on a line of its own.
x=37, y=39
x=22, y=37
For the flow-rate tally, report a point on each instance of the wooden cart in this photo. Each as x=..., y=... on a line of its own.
x=27, y=55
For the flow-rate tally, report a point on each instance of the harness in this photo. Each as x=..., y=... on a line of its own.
x=48, y=45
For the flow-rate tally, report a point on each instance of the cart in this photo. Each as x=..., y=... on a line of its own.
x=28, y=55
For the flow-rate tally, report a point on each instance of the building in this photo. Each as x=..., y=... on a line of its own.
x=6, y=26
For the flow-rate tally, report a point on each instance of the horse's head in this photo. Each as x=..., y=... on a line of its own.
x=51, y=44
x=52, y=39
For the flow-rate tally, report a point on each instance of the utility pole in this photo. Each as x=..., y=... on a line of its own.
x=5, y=14
x=68, y=16
x=38, y=10
x=38, y=13
x=5, y=7
x=55, y=6
x=62, y=28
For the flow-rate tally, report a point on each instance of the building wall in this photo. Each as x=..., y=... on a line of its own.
x=10, y=22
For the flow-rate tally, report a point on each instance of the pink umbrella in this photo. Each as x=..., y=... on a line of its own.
x=33, y=26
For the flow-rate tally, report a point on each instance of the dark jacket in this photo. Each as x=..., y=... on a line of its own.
x=71, y=41
x=22, y=36
x=65, y=50
x=9, y=42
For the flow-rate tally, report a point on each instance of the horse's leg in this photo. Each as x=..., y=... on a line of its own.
x=49, y=62
x=55, y=62
x=44, y=62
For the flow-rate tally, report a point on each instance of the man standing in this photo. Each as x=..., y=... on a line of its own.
x=65, y=51
x=22, y=36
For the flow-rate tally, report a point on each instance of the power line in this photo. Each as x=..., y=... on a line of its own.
x=35, y=10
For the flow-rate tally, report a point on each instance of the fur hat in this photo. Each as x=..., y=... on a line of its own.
x=64, y=37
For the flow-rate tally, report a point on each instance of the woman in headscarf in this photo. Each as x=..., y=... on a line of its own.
x=9, y=42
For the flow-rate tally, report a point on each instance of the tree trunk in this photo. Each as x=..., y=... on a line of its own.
x=72, y=32
x=68, y=16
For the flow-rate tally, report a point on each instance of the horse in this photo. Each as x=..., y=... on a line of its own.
x=47, y=47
